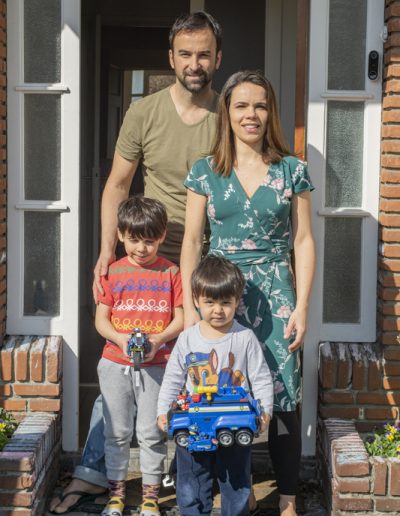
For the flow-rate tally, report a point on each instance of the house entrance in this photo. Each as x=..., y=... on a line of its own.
x=124, y=57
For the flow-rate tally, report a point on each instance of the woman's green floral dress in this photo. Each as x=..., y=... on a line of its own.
x=254, y=234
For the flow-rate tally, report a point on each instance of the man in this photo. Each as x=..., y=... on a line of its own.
x=170, y=130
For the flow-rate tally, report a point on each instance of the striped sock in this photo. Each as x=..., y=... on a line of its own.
x=150, y=491
x=117, y=488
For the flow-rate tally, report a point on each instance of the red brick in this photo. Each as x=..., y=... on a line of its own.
x=22, y=360
x=340, y=412
x=391, y=101
x=390, y=308
x=44, y=405
x=5, y=390
x=37, y=357
x=381, y=413
x=378, y=398
x=353, y=504
x=327, y=370
x=391, y=354
x=379, y=475
x=359, y=366
x=45, y=389
x=390, y=175
x=343, y=378
x=393, y=25
x=19, y=498
x=392, y=10
x=387, y=504
x=374, y=369
x=16, y=481
x=390, y=190
x=392, y=85
x=391, y=250
x=17, y=461
x=390, y=235
x=390, y=131
x=389, y=205
x=391, y=161
x=353, y=485
x=389, y=294
x=391, y=369
x=389, y=323
x=13, y=404
x=394, y=465
x=6, y=362
x=388, y=279
x=390, y=116
x=391, y=383
x=337, y=397
x=389, y=220
x=53, y=359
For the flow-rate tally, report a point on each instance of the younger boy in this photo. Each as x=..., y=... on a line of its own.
x=142, y=291
x=217, y=350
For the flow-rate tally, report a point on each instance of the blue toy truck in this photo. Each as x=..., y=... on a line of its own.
x=214, y=416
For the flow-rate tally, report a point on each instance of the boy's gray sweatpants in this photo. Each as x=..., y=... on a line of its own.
x=120, y=397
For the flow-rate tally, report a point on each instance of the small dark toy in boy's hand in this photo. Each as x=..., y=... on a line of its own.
x=138, y=346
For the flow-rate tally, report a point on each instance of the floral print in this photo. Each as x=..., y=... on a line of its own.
x=254, y=233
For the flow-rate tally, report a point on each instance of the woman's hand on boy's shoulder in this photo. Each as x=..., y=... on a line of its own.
x=265, y=420
x=162, y=422
x=191, y=317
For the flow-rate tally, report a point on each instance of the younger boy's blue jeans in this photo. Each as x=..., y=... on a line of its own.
x=231, y=466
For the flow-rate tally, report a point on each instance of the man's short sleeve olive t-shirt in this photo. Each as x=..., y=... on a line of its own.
x=153, y=130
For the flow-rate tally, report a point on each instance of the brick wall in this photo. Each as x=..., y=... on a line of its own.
x=362, y=381
x=353, y=482
x=3, y=165
x=389, y=216
x=352, y=384
x=29, y=466
x=30, y=374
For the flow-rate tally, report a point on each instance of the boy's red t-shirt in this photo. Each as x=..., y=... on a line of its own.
x=141, y=297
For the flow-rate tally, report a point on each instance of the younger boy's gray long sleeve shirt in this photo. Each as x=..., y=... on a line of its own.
x=236, y=359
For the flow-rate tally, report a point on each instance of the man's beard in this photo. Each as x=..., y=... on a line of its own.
x=195, y=87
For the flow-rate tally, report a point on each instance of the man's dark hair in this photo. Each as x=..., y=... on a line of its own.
x=142, y=217
x=217, y=278
x=192, y=22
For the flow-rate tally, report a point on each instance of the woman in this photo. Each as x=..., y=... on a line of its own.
x=255, y=196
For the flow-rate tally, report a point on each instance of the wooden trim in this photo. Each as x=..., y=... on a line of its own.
x=303, y=14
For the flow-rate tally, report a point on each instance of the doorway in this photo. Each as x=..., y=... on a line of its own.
x=124, y=56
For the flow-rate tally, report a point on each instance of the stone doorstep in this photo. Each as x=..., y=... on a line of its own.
x=37, y=445
x=261, y=461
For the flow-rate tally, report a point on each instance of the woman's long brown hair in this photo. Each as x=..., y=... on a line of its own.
x=274, y=145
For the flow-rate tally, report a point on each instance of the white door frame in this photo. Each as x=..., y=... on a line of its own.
x=67, y=323
x=316, y=152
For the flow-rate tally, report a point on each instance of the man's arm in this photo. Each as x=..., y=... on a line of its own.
x=115, y=191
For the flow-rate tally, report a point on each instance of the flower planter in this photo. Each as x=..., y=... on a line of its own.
x=353, y=482
x=29, y=465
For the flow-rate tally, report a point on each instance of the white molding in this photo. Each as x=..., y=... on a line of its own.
x=365, y=331
x=347, y=95
x=67, y=323
x=44, y=88
x=343, y=212
x=42, y=206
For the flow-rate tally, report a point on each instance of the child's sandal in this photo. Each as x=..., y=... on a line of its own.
x=114, y=507
x=149, y=508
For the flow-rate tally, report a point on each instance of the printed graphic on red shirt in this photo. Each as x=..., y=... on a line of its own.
x=141, y=298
